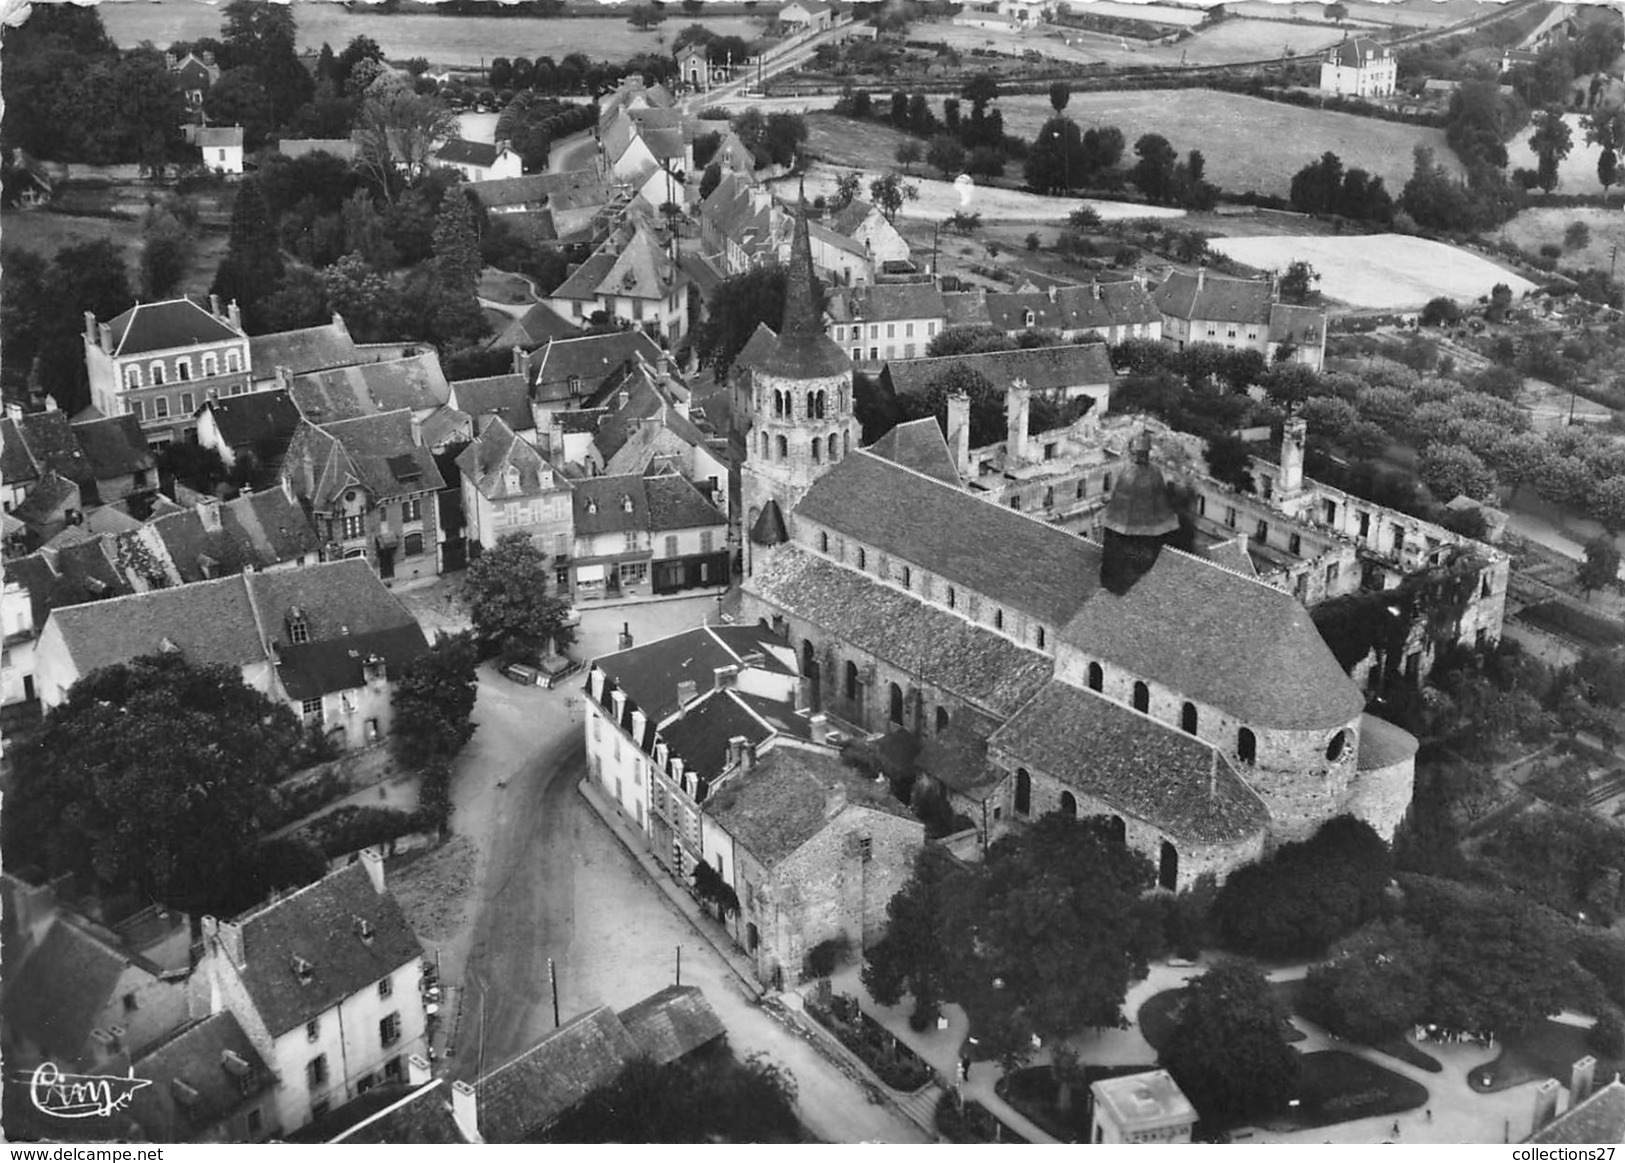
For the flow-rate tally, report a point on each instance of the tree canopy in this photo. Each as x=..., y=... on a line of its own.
x=507, y=591
x=1226, y=1051
x=156, y=773
x=711, y=1098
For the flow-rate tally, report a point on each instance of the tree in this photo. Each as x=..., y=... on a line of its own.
x=908, y=152
x=710, y=180
x=1551, y=143
x=1606, y=128
x=1375, y=986
x=644, y=16
x=506, y=589
x=1103, y=148
x=456, y=247
x=238, y=98
x=398, y=127
x=372, y=306
x=911, y=957
x=1154, y=172
x=1056, y=158
x=1450, y=471
x=41, y=314
x=433, y=701
x=737, y=306
x=1225, y=1050
x=1600, y=570
x=847, y=188
x=360, y=48
x=1297, y=284
x=783, y=135
x=945, y=155
x=698, y=1099
x=166, y=248
x=153, y=774
x=252, y=266
x=981, y=89
x=1441, y=311
x=889, y=192
x=1060, y=92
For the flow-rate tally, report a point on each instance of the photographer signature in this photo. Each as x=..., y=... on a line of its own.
x=80, y=1096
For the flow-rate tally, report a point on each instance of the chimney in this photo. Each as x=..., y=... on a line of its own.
x=228, y=936
x=518, y=360
x=725, y=676
x=1545, y=1103
x=91, y=333
x=640, y=722
x=104, y=335
x=624, y=640
x=818, y=726
x=234, y=316
x=617, y=702
x=214, y=304
x=737, y=745
x=339, y=323
x=417, y=432
x=1051, y=293
x=14, y=413
x=284, y=378
x=687, y=691
x=1201, y=275
x=208, y=512
x=1018, y=403
x=465, y=1111
x=1293, y=436
x=372, y=859
x=834, y=800
x=1094, y=287
x=1581, y=1079
x=959, y=432
x=417, y=1069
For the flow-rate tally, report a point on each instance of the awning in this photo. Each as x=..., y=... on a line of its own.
x=589, y=573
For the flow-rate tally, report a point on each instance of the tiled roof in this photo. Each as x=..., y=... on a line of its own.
x=650, y=674
x=445, y=425
x=340, y=600
x=965, y=308
x=1382, y=744
x=546, y=1081
x=1221, y=639
x=786, y=800
x=1302, y=325
x=493, y=452
x=456, y=150
x=1232, y=555
x=394, y=1114
x=209, y=622
x=322, y=924
x=673, y=1023
x=634, y=266
x=756, y=350
x=878, y=302
x=957, y=758
x=665, y=144
x=918, y=444
x=170, y=324
x=49, y=495
x=199, y=1076
x=68, y=577
x=1211, y=297
x=852, y=216
x=367, y=389
x=699, y=737
x=951, y=533
x=1092, y=306
x=261, y=420
x=15, y=463
x=114, y=447
x=590, y=358
x=836, y=239
x=1142, y=767
x=1044, y=368
x=734, y=211
x=255, y=531
x=675, y=504
x=568, y=190
x=940, y=647
x=770, y=528
x=610, y=504
x=222, y=135
x=1599, y=1119
x=308, y=349
x=339, y=664
x=506, y=396
x=41, y=442
x=1356, y=51
x=53, y=998
x=534, y=328
x=377, y=452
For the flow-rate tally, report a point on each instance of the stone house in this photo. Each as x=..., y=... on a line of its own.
x=159, y=361
x=1109, y=311
x=813, y=851
x=327, y=984
x=637, y=535
x=479, y=161
x=632, y=279
x=864, y=223
x=1359, y=67
x=222, y=148
x=251, y=431
x=508, y=488
x=195, y=73
x=883, y=322
x=807, y=15
x=1242, y=314
x=370, y=488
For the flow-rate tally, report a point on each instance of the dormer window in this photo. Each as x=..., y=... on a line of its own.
x=513, y=480
x=363, y=929
x=1028, y=318
x=575, y=385
x=298, y=628
x=304, y=971
x=626, y=504
x=592, y=505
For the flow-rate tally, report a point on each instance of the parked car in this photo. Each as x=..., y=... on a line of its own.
x=522, y=674
x=555, y=668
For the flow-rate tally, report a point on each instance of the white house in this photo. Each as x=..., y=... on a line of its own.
x=803, y=15
x=1359, y=67
x=222, y=148
x=631, y=278
x=479, y=161
x=327, y=984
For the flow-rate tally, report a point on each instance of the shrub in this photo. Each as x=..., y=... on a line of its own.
x=1577, y=236
x=823, y=957
x=1607, y=1037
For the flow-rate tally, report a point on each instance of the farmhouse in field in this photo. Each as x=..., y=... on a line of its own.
x=1359, y=67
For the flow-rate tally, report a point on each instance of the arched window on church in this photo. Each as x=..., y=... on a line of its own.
x=1097, y=676
x=1246, y=746
x=834, y=450
x=897, y=704
x=953, y=597
x=846, y=444
x=908, y=578
x=942, y=719
x=1069, y=804
x=1024, y=791
x=784, y=447
x=851, y=680
x=1187, y=718
x=1142, y=697
x=817, y=450
x=765, y=452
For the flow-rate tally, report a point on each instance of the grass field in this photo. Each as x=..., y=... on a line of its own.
x=1576, y=174
x=444, y=40
x=1249, y=144
x=1249, y=40
x=1384, y=271
x=1532, y=228
x=870, y=146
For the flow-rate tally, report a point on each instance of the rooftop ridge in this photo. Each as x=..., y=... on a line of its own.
x=733, y=695
x=390, y=1109
x=242, y=919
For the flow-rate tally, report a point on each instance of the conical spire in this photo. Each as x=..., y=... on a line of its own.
x=804, y=351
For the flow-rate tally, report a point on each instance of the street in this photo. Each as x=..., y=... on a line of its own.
x=553, y=882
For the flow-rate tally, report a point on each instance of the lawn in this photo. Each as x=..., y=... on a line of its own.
x=502, y=287
x=1533, y=228
x=1576, y=174
x=1157, y=1013
x=1249, y=143
x=1337, y=1087
x=867, y=145
x=45, y=233
x=972, y=1124
x=1385, y=271
x=1250, y=40
x=1547, y=1050
x=444, y=40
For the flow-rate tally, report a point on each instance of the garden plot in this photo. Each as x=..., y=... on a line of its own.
x=1382, y=271
x=941, y=200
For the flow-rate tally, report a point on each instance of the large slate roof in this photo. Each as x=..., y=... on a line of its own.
x=321, y=923
x=70, y=576
x=217, y=1065
x=674, y=504
x=1140, y=766
x=649, y=673
x=700, y=736
x=527, y=1093
x=306, y=349
x=1044, y=368
x=209, y=622
x=1221, y=639
x=259, y=419
x=611, y=504
x=53, y=998
x=534, y=328
x=166, y=325
x=951, y=533
x=591, y=358
x=673, y=1023
x=1212, y=297
x=114, y=446
x=315, y=669
x=486, y=461
x=1094, y=306
x=784, y=801
x=255, y=531
x=918, y=444
x=368, y=389
x=941, y=647
x=1599, y=1119
x=377, y=452
x=507, y=396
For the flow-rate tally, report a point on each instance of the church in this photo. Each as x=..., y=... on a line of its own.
x=1192, y=705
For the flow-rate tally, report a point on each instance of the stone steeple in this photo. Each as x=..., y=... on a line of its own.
x=804, y=350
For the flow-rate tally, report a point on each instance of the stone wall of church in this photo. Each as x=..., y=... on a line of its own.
x=1382, y=797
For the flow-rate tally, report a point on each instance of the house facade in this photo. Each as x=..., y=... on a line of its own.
x=222, y=148
x=1240, y=314
x=327, y=983
x=631, y=279
x=1359, y=67
x=479, y=161
x=508, y=488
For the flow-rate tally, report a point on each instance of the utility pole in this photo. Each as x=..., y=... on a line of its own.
x=679, y=965
x=553, y=983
